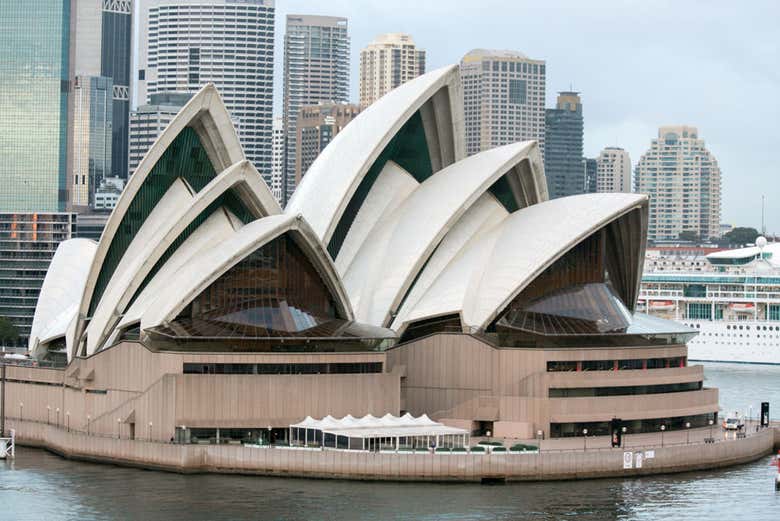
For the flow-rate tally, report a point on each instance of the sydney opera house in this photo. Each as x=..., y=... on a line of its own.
x=402, y=277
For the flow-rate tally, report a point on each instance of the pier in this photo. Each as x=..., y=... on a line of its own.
x=573, y=458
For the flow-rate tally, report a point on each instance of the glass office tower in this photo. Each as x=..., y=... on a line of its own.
x=34, y=38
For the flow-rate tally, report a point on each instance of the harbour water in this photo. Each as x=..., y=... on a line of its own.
x=38, y=485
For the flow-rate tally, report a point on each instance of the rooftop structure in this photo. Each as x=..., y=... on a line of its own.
x=503, y=97
x=397, y=256
x=387, y=62
x=563, y=163
x=682, y=179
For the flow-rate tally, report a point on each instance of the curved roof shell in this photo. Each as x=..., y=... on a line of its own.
x=198, y=143
x=164, y=228
x=398, y=247
x=485, y=276
x=206, y=268
x=333, y=179
x=62, y=287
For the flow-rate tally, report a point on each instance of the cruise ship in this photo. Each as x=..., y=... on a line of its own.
x=731, y=297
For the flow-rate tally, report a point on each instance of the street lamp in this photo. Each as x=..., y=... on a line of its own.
x=118, y=428
x=585, y=439
x=150, y=431
x=269, y=437
x=67, y=420
x=711, y=422
x=687, y=432
x=89, y=418
x=21, y=408
x=58, y=416
x=48, y=414
x=663, y=428
x=623, y=429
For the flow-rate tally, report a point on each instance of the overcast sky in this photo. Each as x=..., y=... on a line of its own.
x=638, y=64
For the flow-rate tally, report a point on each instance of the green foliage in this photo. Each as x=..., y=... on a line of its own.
x=689, y=235
x=477, y=449
x=491, y=443
x=499, y=449
x=522, y=447
x=740, y=236
x=8, y=331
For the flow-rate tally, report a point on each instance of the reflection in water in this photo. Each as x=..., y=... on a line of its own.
x=39, y=486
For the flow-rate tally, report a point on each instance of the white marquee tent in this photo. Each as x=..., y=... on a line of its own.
x=372, y=433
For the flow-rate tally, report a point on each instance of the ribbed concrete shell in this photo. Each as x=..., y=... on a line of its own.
x=59, y=297
x=207, y=268
x=329, y=184
x=399, y=245
x=148, y=248
x=482, y=279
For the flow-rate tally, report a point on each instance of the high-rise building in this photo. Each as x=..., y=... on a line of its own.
x=591, y=170
x=99, y=108
x=316, y=69
x=277, y=158
x=185, y=44
x=387, y=62
x=91, y=138
x=613, y=171
x=682, y=179
x=28, y=241
x=503, y=99
x=317, y=126
x=148, y=121
x=34, y=74
x=563, y=163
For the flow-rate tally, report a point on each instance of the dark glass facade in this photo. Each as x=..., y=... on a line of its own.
x=34, y=37
x=115, y=63
x=628, y=390
x=563, y=143
x=185, y=158
x=280, y=369
x=567, y=430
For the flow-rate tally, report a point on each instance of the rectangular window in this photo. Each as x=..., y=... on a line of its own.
x=699, y=311
x=517, y=92
x=774, y=312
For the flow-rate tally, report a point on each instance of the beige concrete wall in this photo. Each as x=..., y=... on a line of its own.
x=136, y=386
x=570, y=464
x=460, y=377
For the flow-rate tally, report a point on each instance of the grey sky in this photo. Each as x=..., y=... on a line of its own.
x=638, y=64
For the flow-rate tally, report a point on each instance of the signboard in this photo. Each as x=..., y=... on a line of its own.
x=628, y=459
x=639, y=460
x=649, y=454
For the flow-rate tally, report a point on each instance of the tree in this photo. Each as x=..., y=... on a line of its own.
x=740, y=236
x=689, y=235
x=9, y=333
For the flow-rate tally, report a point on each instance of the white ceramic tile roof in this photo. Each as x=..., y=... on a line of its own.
x=391, y=257
x=62, y=287
x=205, y=269
x=484, y=277
x=206, y=113
x=334, y=176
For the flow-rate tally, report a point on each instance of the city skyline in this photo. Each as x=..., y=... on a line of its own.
x=632, y=95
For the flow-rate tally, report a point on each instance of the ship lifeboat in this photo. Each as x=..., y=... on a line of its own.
x=742, y=307
x=659, y=305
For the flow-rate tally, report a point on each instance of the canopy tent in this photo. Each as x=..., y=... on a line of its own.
x=372, y=433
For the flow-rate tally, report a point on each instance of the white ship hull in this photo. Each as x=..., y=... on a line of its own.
x=749, y=342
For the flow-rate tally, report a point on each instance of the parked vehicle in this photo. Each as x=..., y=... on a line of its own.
x=734, y=423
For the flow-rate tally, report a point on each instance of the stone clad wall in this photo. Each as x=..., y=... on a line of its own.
x=390, y=466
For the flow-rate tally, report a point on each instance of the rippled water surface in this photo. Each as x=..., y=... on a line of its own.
x=40, y=486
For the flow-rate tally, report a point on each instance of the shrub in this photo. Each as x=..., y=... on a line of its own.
x=499, y=449
x=459, y=449
x=522, y=447
x=491, y=443
x=442, y=449
x=477, y=449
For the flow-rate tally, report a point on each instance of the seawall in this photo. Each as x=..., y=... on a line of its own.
x=558, y=465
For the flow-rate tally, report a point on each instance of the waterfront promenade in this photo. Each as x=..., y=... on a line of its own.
x=574, y=458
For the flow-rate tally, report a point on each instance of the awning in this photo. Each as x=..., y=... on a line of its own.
x=388, y=426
